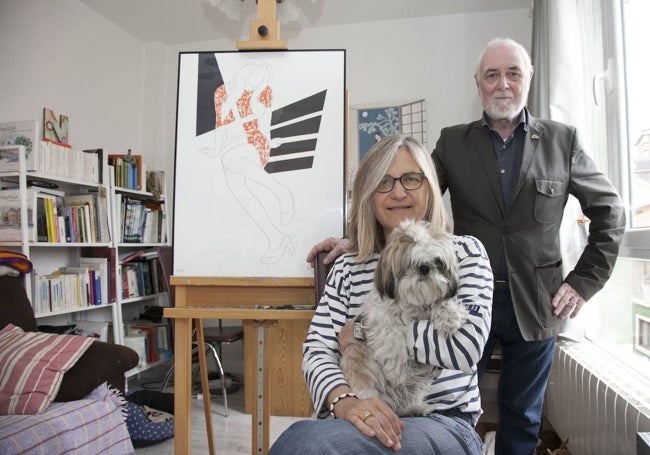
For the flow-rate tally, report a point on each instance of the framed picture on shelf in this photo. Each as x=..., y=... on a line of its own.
x=260, y=161
x=374, y=123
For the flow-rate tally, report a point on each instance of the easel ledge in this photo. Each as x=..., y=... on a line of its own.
x=241, y=281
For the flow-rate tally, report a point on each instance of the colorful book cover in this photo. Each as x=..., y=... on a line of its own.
x=24, y=132
x=55, y=129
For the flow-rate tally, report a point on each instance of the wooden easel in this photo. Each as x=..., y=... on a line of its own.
x=261, y=301
x=265, y=30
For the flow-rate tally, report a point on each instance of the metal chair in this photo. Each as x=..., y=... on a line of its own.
x=213, y=340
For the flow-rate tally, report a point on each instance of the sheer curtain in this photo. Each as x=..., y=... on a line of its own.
x=568, y=86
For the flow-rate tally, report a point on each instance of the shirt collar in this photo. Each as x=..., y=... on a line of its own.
x=523, y=118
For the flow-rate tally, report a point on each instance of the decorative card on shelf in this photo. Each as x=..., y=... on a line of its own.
x=374, y=123
x=24, y=132
x=55, y=130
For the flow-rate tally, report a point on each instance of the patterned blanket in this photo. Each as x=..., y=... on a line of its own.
x=94, y=425
x=10, y=261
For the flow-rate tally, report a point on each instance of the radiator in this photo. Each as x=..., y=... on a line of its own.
x=599, y=407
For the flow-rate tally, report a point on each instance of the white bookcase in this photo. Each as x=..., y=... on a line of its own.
x=21, y=231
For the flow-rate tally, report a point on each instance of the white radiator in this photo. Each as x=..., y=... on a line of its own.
x=600, y=408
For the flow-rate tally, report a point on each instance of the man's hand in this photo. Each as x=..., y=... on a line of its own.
x=336, y=247
x=567, y=302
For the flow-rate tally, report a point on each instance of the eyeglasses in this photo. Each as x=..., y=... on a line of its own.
x=410, y=181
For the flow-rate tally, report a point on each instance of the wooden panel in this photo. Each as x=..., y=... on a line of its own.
x=246, y=292
x=289, y=394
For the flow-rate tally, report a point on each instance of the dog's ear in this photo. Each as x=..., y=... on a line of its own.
x=384, y=278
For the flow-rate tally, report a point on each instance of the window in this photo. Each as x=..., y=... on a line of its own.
x=636, y=14
x=618, y=317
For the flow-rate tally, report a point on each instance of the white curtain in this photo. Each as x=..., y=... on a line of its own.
x=567, y=87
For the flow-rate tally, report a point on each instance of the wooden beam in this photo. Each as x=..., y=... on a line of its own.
x=264, y=30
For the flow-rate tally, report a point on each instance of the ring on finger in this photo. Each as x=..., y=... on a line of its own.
x=365, y=414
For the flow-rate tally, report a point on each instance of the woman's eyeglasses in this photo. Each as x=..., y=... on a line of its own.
x=410, y=181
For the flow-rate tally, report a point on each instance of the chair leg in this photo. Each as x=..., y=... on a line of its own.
x=211, y=348
x=170, y=372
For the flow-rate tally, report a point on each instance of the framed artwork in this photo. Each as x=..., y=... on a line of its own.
x=260, y=161
x=375, y=123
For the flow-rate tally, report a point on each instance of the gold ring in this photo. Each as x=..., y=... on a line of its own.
x=365, y=414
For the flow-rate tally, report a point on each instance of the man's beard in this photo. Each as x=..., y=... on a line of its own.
x=503, y=109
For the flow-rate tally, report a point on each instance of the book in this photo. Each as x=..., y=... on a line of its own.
x=10, y=215
x=127, y=170
x=100, y=266
x=102, y=330
x=23, y=132
x=109, y=254
x=89, y=201
x=138, y=342
x=130, y=256
x=55, y=130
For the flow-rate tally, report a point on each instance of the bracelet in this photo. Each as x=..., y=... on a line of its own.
x=339, y=398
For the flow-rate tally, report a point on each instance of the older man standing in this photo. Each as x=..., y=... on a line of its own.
x=509, y=176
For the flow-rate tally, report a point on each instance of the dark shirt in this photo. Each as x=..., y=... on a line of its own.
x=508, y=155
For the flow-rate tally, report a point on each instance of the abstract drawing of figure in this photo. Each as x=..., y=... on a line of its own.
x=243, y=114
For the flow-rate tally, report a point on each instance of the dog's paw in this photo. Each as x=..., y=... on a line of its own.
x=449, y=317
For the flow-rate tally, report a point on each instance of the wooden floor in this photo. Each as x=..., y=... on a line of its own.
x=232, y=434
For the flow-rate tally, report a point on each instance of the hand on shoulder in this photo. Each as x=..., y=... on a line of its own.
x=334, y=247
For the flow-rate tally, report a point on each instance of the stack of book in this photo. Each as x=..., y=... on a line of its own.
x=158, y=338
x=141, y=221
x=128, y=170
x=141, y=274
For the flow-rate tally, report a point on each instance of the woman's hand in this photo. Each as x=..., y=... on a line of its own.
x=346, y=336
x=374, y=418
x=336, y=247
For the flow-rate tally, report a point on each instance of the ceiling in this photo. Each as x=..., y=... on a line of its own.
x=187, y=21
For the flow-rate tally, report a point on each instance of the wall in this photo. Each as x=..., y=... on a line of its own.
x=62, y=55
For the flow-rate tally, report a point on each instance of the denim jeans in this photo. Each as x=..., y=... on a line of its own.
x=436, y=434
x=525, y=368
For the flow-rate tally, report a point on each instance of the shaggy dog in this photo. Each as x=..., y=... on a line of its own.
x=416, y=279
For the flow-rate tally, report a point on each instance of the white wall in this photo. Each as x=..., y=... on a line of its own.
x=62, y=55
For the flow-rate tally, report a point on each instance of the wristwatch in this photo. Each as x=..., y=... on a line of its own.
x=357, y=329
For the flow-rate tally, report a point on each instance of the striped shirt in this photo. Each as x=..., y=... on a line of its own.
x=348, y=283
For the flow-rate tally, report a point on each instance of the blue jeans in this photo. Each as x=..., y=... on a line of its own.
x=435, y=434
x=525, y=368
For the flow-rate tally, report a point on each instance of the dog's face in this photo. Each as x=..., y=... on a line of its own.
x=418, y=265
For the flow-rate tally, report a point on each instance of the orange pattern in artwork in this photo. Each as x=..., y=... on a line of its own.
x=251, y=128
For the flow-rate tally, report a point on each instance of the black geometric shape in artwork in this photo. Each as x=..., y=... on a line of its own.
x=307, y=126
x=295, y=164
x=209, y=78
x=305, y=106
x=308, y=145
x=284, y=159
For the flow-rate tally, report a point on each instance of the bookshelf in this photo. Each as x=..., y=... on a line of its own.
x=70, y=224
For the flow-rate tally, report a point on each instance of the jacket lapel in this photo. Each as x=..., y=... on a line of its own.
x=531, y=142
x=482, y=144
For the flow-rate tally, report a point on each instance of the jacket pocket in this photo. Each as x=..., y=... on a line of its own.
x=549, y=200
x=548, y=280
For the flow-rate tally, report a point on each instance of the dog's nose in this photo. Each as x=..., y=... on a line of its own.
x=424, y=269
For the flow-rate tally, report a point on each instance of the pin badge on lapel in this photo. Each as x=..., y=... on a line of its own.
x=534, y=136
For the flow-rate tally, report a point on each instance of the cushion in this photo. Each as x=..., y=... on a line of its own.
x=32, y=365
x=150, y=418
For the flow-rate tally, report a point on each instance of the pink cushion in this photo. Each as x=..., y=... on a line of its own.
x=32, y=365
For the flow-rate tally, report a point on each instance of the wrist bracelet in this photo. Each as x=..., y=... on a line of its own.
x=339, y=398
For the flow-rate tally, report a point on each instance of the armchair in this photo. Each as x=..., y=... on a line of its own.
x=81, y=398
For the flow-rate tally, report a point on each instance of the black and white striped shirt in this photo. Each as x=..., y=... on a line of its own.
x=349, y=282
